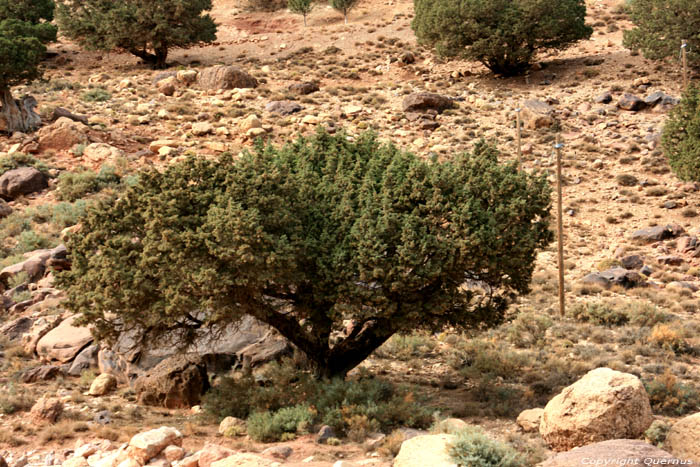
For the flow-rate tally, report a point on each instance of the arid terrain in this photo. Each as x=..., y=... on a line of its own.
x=616, y=182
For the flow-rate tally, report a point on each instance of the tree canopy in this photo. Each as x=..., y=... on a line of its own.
x=336, y=244
x=504, y=35
x=145, y=28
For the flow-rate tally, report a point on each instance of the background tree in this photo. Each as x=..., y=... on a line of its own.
x=504, y=35
x=302, y=7
x=308, y=238
x=24, y=29
x=681, y=136
x=661, y=27
x=344, y=6
x=145, y=28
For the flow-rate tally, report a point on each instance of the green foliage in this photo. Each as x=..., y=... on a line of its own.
x=97, y=94
x=681, y=136
x=268, y=426
x=302, y=7
x=669, y=396
x=30, y=11
x=355, y=237
x=657, y=432
x=661, y=26
x=344, y=405
x=21, y=50
x=343, y=6
x=473, y=448
x=504, y=35
x=599, y=313
x=19, y=159
x=75, y=185
x=144, y=28
x=12, y=400
x=528, y=329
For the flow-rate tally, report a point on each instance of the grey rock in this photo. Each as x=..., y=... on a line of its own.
x=632, y=262
x=15, y=328
x=85, y=360
x=284, y=107
x=21, y=181
x=304, y=88
x=103, y=417
x=604, y=98
x=41, y=373
x=657, y=233
x=537, y=114
x=615, y=276
x=684, y=285
x=225, y=77
x=422, y=101
x=646, y=270
x=278, y=452
x=670, y=260
x=270, y=347
x=631, y=102
x=325, y=433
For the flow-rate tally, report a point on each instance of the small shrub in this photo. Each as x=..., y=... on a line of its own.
x=12, y=401
x=599, y=313
x=681, y=136
x=626, y=180
x=75, y=185
x=262, y=5
x=670, y=338
x=473, y=448
x=30, y=241
x=657, y=432
x=269, y=426
x=528, y=329
x=97, y=94
x=669, y=396
x=18, y=159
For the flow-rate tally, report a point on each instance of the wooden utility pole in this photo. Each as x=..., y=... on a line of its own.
x=560, y=231
x=517, y=130
x=684, y=60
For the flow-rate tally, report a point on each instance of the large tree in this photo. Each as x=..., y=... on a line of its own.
x=336, y=244
x=144, y=28
x=24, y=29
x=504, y=35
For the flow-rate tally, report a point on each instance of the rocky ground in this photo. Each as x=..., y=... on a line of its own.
x=632, y=268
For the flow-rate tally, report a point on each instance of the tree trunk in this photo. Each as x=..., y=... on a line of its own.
x=161, y=58
x=304, y=19
x=18, y=115
x=157, y=60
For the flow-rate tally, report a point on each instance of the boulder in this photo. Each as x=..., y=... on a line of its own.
x=284, y=107
x=13, y=330
x=657, y=233
x=612, y=452
x=231, y=426
x=304, y=88
x=102, y=152
x=39, y=329
x=146, y=445
x=244, y=459
x=604, y=404
x=604, y=98
x=211, y=453
x=21, y=181
x=187, y=76
x=615, y=276
x=423, y=101
x=85, y=360
x=632, y=262
x=450, y=425
x=176, y=382
x=529, y=420
x=102, y=385
x=278, y=452
x=425, y=450
x=683, y=439
x=167, y=86
x=62, y=135
x=268, y=348
x=40, y=373
x=173, y=453
x=225, y=77
x=46, y=410
x=537, y=114
x=250, y=122
x=202, y=128
x=631, y=102
x=5, y=209
x=63, y=342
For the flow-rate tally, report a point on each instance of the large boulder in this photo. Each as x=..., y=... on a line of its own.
x=657, y=233
x=615, y=276
x=244, y=459
x=176, y=382
x=225, y=77
x=426, y=450
x=63, y=342
x=423, y=101
x=529, y=420
x=537, y=114
x=684, y=438
x=46, y=410
x=62, y=135
x=21, y=181
x=605, y=404
x=148, y=444
x=613, y=452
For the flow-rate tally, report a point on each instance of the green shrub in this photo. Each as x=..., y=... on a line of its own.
x=30, y=241
x=18, y=159
x=681, y=136
x=97, y=94
x=671, y=397
x=528, y=329
x=599, y=313
x=269, y=426
x=661, y=26
x=75, y=185
x=473, y=448
x=12, y=401
x=504, y=35
x=657, y=432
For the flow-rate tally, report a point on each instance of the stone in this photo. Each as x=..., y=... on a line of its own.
x=352, y=110
x=13, y=330
x=187, y=76
x=284, y=107
x=21, y=181
x=211, y=453
x=423, y=101
x=189, y=461
x=41, y=373
x=202, y=128
x=604, y=98
x=632, y=262
x=615, y=276
x=176, y=382
x=537, y=114
x=304, y=88
x=46, y=410
x=671, y=260
x=268, y=348
x=62, y=135
x=34, y=267
x=604, y=404
x=63, y=342
x=232, y=426
x=657, y=233
x=102, y=152
x=225, y=77
x=5, y=209
x=426, y=450
x=39, y=329
x=250, y=122
x=167, y=86
x=683, y=439
x=103, y=384
x=243, y=459
x=683, y=285
x=173, y=453
x=148, y=444
x=529, y=420
x=278, y=452
x=615, y=452
x=631, y=102
x=78, y=461
x=450, y=425
x=324, y=434
x=85, y=360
